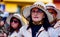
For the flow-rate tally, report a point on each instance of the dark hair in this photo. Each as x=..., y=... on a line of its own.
x=12, y=29
x=45, y=24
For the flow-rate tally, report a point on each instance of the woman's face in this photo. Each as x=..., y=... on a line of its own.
x=14, y=23
x=37, y=15
x=52, y=13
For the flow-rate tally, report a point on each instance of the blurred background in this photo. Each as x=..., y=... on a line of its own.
x=16, y=6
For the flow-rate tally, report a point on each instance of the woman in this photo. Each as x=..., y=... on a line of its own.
x=15, y=24
x=3, y=30
x=55, y=13
x=39, y=25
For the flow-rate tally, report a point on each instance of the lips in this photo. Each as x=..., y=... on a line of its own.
x=35, y=17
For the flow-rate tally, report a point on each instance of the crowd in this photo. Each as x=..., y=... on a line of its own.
x=44, y=21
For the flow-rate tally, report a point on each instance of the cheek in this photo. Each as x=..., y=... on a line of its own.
x=54, y=15
x=14, y=25
x=32, y=16
x=2, y=23
x=41, y=16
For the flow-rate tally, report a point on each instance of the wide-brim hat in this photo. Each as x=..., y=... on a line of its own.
x=40, y=4
x=58, y=13
x=18, y=16
x=50, y=4
x=26, y=12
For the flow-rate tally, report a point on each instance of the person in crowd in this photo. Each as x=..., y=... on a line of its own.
x=3, y=30
x=54, y=12
x=39, y=25
x=15, y=22
x=52, y=9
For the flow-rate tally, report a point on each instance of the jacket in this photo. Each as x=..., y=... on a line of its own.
x=41, y=33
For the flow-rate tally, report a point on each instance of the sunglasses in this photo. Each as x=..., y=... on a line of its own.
x=38, y=11
x=52, y=12
x=15, y=21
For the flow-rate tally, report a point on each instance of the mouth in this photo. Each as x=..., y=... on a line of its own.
x=35, y=17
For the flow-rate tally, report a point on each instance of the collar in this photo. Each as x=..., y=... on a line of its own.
x=37, y=23
x=40, y=30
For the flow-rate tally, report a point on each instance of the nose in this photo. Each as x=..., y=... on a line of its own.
x=35, y=13
x=12, y=22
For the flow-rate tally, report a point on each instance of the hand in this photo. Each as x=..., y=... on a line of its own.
x=59, y=35
x=57, y=24
x=3, y=35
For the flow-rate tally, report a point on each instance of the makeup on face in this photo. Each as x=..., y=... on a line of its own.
x=15, y=21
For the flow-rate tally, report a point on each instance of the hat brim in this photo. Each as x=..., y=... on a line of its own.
x=58, y=13
x=26, y=12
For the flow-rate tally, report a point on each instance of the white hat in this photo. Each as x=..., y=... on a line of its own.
x=58, y=13
x=40, y=3
x=18, y=16
x=27, y=11
x=50, y=4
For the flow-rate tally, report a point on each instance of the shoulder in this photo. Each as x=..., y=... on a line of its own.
x=57, y=30
x=52, y=32
x=51, y=29
x=14, y=34
x=23, y=28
